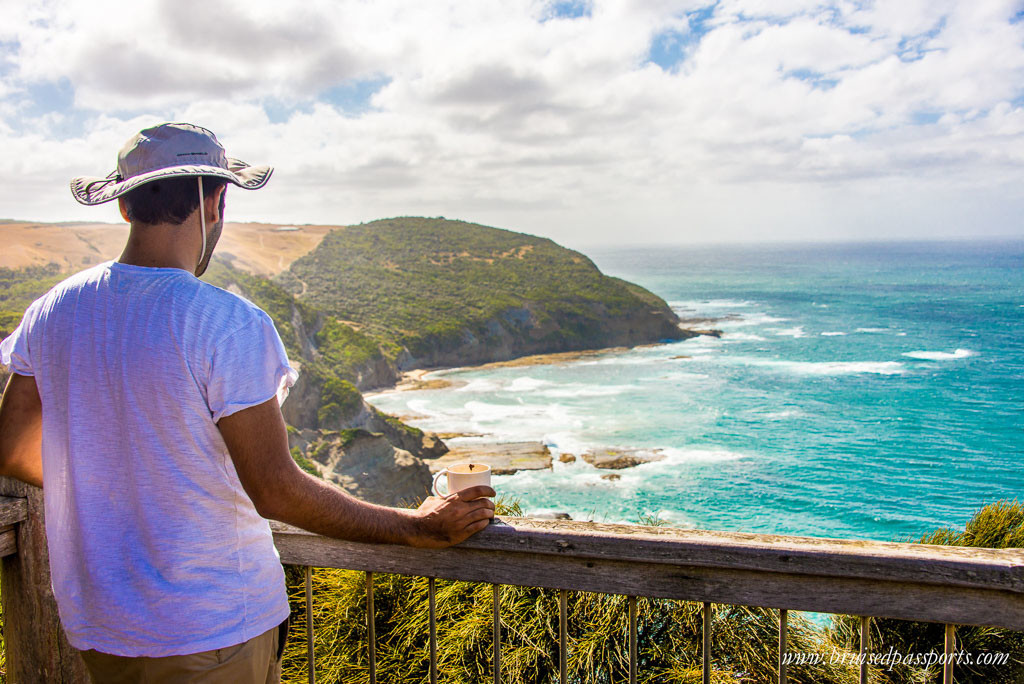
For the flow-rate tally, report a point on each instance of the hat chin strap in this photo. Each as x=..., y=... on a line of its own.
x=202, y=219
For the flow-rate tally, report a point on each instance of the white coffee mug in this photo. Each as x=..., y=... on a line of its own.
x=462, y=476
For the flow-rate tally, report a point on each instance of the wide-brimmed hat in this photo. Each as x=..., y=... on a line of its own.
x=167, y=151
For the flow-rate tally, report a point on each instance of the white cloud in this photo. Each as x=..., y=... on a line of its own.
x=783, y=119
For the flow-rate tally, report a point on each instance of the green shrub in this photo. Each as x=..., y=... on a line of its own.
x=999, y=525
x=304, y=462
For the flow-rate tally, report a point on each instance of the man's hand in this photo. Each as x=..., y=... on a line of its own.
x=454, y=518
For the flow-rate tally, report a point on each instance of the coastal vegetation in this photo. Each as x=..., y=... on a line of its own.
x=440, y=292
x=19, y=287
x=999, y=525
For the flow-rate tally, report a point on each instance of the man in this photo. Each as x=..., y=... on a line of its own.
x=146, y=404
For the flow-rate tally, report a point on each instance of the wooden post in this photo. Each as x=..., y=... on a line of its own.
x=37, y=649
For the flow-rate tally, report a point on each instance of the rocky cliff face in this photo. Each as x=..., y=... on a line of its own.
x=521, y=332
x=366, y=465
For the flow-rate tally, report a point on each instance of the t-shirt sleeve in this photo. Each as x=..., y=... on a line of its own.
x=248, y=367
x=14, y=350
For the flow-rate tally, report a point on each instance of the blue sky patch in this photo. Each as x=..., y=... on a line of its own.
x=279, y=111
x=569, y=9
x=353, y=97
x=912, y=48
x=816, y=79
x=8, y=49
x=669, y=48
x=48, y=96
x=925, y=118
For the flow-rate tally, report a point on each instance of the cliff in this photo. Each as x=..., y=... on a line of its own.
x=449, y=293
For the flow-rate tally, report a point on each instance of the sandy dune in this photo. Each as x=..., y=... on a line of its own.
x=261, y=248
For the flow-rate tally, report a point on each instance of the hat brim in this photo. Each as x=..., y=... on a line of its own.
x=91, y=190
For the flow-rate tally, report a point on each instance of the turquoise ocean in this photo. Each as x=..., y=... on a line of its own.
x=858, y=390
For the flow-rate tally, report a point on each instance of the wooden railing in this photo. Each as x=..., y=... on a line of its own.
x=950, y=585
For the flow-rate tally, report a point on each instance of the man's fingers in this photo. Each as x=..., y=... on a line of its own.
x=475, y=492
x=477, y=526
x=475, y=515
x=485, y=505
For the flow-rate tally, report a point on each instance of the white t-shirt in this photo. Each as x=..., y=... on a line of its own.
x=155, y=548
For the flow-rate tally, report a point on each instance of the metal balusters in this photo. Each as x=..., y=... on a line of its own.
x=371, y=628
x=950, y=649
x=632, y=639
x=311, y=675
x=496, y=595
x=865, y=648
x=433, y=630
x=705, y=612
x=783, y=633
x=562, y=629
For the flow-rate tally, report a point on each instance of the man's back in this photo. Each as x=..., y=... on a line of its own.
x=155, y=547
x=147, y=406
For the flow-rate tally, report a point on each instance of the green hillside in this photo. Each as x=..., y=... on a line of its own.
x=451, y=292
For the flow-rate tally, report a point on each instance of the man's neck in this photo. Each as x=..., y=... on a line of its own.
x=162, y=245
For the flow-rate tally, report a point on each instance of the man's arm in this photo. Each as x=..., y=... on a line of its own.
x=257, y=440
x=21, y=431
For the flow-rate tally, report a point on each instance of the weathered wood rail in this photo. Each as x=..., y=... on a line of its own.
x=950, y=585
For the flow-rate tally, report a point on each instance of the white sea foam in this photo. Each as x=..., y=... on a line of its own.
x=485, y=412
x=746, y=321
x=780, y=415
x=423, y=407
x=834, y=333
x=480, y=386
x=625, y=359
x=581, y=390
x=743, y=337
x=676, y=455
x=940, y=356
x=526, y=384
x=795, y=332
x=825, y=367
x=566, y=442
x=701, y=305
x=873, y=330
x=676, y=519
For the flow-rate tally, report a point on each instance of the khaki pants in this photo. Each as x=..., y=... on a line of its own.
x=257, y=661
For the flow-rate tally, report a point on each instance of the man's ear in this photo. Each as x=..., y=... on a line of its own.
x=124, y=208
x=213, y=204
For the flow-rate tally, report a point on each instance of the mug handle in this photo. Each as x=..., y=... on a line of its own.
x=433, y=487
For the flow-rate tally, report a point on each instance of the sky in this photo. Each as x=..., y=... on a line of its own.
x=590, y=122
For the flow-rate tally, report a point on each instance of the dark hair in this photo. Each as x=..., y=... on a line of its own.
x=169, y=200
